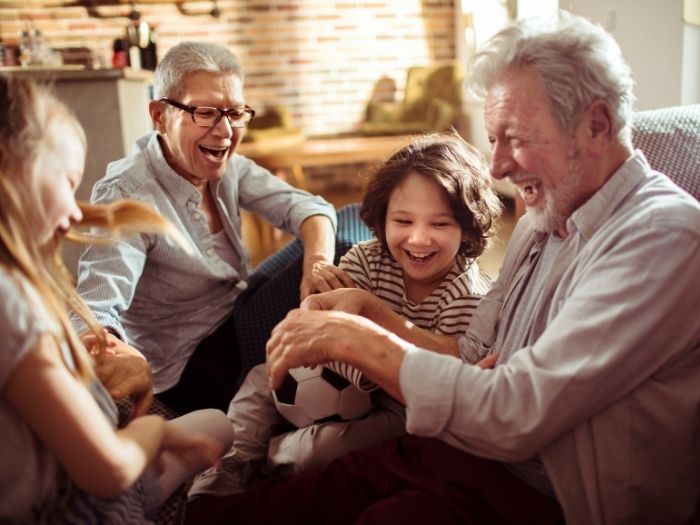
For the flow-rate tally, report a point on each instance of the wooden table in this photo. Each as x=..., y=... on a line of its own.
x=291, y=160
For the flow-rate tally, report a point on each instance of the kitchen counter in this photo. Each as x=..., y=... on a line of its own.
x=78, y=73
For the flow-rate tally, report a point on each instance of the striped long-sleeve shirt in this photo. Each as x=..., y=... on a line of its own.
x=447, y=310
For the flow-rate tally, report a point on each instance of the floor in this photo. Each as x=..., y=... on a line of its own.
x=263, y=241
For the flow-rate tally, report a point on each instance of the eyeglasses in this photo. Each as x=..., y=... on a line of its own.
x=207, y=117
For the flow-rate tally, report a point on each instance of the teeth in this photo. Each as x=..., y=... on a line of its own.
x=217, y=151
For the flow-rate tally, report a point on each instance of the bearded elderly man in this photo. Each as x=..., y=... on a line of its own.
x=592, y=414
x=175, y=307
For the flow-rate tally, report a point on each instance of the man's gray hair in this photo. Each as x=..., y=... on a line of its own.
x=577, y=61
x=191, y=57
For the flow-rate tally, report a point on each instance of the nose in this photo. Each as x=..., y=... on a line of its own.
x=76, y=214
x=502, y=162
x=223, y=128
x=419, y=236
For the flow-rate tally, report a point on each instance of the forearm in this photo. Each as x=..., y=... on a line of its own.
x=380, y=359
x=64, y=415
x=380, y=313
x=318, y=237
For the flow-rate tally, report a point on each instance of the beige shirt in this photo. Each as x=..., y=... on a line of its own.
x=607, y=389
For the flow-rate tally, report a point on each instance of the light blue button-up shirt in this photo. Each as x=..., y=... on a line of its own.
x=158, y=298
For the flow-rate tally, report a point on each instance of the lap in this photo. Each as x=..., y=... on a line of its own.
x=426, y=470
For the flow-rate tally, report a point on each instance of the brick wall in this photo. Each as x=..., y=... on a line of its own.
x=319, y=57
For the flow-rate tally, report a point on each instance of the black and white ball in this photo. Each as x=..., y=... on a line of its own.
x=315, y=395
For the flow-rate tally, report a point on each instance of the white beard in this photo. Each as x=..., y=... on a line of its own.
x=559, y=203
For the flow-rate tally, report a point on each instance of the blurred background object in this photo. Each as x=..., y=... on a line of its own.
x=432, y=101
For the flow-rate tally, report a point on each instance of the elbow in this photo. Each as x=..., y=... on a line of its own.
x=107, y=479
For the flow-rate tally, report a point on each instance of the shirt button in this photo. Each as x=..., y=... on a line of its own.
x=210, y=252
x=197, y=216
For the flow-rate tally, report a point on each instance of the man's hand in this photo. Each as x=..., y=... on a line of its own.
x=313, y=337
x=322, y=276
x=123, y=371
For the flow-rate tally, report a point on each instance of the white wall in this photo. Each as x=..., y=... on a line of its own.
x=650, y=34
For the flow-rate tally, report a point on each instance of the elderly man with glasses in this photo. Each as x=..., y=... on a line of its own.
x=153, y=298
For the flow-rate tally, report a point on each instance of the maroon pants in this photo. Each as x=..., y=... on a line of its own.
x=405, y=480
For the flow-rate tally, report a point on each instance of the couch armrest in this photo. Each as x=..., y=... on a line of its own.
x=273, y=288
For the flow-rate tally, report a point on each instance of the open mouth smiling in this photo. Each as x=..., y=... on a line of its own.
x=419, y=257
x=214, y=151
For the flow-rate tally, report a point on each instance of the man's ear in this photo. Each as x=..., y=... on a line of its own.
x=600, y=122
x=157, y=112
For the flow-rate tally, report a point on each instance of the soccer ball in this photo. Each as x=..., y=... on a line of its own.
x=316, y=395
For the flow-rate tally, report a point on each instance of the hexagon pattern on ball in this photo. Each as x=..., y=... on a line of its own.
x=315, y=395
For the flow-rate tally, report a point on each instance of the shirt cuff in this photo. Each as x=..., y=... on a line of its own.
x=427, y=381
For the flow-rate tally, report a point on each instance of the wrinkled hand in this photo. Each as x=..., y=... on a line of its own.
x=194, y=448
x=123, y=371
x=350, y=300
x=322, y=276
x=314, y=337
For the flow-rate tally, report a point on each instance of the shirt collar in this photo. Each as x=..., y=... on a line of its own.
x=592, y=214
x=179, y=188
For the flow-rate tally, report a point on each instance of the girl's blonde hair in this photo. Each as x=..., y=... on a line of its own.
x=31, y=119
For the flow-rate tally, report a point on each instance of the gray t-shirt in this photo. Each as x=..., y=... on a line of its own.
x=34, y=488
x=28, y=472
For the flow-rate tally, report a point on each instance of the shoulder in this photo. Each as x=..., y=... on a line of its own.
x=134, y=176
x=469, y=286
x=370, y=253
x=654, y=208
x=126, y=176
x=661, y=199
x=23, y=318
x=371, y=247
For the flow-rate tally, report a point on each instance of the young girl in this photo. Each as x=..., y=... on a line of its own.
x=431, y=208
x=63, y=460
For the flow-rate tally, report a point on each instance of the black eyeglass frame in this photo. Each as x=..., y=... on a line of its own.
x=228, y=113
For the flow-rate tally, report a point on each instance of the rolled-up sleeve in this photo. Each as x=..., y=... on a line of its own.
x=283, y=205
x=428, y=381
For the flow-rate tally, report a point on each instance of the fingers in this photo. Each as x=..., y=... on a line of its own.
x=344, y=278
x=313, y=302
x=488, y=362
x=142, y=403
x=324, y=278
x=106, y=371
